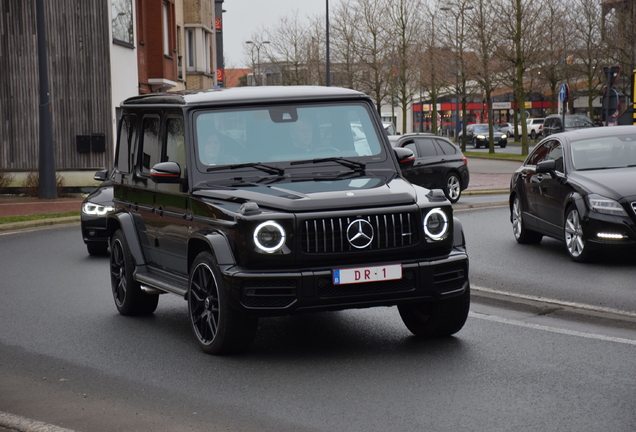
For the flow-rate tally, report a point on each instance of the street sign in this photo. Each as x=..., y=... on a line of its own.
x=564, y=93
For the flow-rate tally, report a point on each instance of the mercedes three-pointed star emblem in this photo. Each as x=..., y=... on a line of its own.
x=360, y=233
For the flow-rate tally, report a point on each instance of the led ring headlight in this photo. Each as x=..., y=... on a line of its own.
x=269, y=236
x=436, y=224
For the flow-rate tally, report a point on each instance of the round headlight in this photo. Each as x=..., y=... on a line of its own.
x=436, y=224
x=269, y=236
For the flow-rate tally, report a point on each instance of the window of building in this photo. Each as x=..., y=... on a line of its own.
x=166, y=39
x=190, y=59
x=127, y=134
x=122, y=22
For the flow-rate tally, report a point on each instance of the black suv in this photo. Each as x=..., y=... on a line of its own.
x=254, y=202
x=554, y=123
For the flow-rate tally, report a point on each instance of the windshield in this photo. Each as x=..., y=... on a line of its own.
x=604, y=152
x=483, y=128
x=284, y=134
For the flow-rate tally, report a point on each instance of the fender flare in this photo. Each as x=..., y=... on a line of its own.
x=216, y=242
x=458, y=233
x=127, y=225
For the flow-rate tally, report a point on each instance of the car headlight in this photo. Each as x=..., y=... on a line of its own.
x=269, y=236
x=604, y=205
x=481, y=137
x=504, y=136
x=436, y=224
x=93, y=209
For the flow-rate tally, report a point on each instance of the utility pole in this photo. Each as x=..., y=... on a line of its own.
x=47, y=188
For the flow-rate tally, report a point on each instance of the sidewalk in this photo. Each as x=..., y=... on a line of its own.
x=22, y=206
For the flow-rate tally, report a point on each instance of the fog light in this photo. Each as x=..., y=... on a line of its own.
x=610, y=236
x=91, y=233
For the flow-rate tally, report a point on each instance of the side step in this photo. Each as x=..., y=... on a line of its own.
x=157, y=281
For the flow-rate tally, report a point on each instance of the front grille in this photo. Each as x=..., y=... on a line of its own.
x=449, y=277
x=268, y=293
x=328, y=235
x=326, y=289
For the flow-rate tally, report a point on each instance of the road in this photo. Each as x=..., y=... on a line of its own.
x=67, y=358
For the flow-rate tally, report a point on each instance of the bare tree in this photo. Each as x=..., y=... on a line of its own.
x=373, y=49
x=588, y=54
x=344, y=45
x=485, y=66
x=520, y=48
x=289, y=41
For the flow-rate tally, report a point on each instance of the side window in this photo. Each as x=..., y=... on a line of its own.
x=539, y=154
x=127, y=136
x=446, y=147
x=426, y=147
x=175, y=143
x=411, y=146
x=150, y=144
x=556, y=153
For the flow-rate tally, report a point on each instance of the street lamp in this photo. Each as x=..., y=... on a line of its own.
x=327, y=62
x=258, y=57
x=458, y=47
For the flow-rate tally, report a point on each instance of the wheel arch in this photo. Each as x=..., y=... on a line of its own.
x=124, y=221
x=216, y=243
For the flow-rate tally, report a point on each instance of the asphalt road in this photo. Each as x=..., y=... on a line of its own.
x=67, y=358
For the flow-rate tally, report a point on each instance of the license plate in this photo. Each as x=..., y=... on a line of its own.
x=367, y=274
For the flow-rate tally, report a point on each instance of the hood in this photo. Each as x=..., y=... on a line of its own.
x=610, y=183
x=318, y=195
x=103, y=194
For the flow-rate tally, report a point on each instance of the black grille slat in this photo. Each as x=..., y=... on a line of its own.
x=449, y=277
x=328, y=235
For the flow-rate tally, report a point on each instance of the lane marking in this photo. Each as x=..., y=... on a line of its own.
x=556, y=302
x=551, y=329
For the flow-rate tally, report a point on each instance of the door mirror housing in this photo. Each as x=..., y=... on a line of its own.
x=166, y=172
x=405, y=157
x=101, y=175
x=547, y=166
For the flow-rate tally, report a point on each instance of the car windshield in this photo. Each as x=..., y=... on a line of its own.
x=285, y=133
x=482, y=128
x=578, y=122
x=604, y=152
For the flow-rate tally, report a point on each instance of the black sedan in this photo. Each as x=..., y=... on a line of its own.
x=439, y=164
x=579, y=187
x=478, y=135
x=95, y=209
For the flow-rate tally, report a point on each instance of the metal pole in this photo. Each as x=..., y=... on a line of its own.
x=327, y=53
x=47, y=185
x=457, y=79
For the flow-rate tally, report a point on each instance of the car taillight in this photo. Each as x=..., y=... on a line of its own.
x=540, y=127
x=465, y=160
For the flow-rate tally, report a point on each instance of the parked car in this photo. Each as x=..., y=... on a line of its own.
x=534, y=127
x=554, y=123
x=295, y=212
x=478, y=135
x=508, y=129
x=439, y=164
x=95, y=210
x=578, y=187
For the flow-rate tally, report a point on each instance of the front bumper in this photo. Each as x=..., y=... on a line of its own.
x=94, y=229
x=603, y=229
x=286, y=292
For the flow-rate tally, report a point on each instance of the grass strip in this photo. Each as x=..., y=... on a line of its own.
x=11, y=219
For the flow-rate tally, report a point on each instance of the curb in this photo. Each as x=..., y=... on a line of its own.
x=558, y=309
x=23, y=424
x=14, y=226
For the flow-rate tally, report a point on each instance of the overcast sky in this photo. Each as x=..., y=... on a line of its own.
x=243, y=17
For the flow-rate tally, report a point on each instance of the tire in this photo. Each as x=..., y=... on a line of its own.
x=578, y=248
x=533, y=135
x=436, y=319
x=503, y=145
x=129, y=298
x=522, y=234
x=97, y=249
x=219, y=329
x=453, y=188
x=475, y=143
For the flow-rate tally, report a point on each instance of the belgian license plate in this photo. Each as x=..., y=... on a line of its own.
x=367, y=274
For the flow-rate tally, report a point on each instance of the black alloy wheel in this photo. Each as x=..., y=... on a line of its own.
x=219, y=329
x=129, y=298
x=522, y=234
x=438, y=318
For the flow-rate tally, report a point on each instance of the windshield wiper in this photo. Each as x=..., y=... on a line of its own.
x=269, y=169
x=349, y=163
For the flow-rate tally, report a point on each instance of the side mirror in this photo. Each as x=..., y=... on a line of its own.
x=166, y=172
x=101, y=175
x=405, y=157
x=547, y=166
